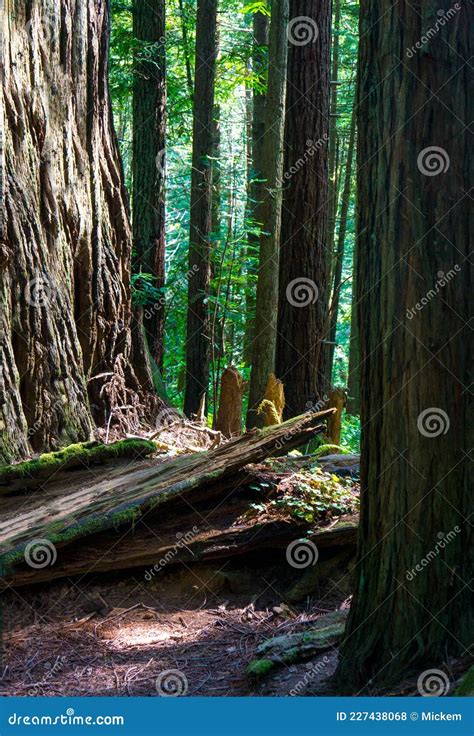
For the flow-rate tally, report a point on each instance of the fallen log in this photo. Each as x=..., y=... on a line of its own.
x=33, y=473
x=289, y=648
x=201, y=536
x=123, y=496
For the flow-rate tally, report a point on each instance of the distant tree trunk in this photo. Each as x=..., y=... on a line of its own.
x=302, y=311
x=269, y=212
x=415, y=554
x=341, y=238
x=353, y=379
x=332, y=175
x=65, y=241
x=198, y=323
x=148, y=165
x=254, y=162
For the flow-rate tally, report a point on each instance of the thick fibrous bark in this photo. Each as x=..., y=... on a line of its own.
x=198, y=320
x=303, y=252
x=269, y=213
x=148, y=165
x=65, y=241
x=415, y=556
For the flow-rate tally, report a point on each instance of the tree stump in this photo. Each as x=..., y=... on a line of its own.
x=229, y=416
x=337, y=400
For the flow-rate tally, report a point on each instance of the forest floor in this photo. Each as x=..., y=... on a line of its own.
x=116, y=635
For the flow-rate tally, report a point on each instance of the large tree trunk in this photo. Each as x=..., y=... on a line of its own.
x=303, y=253
x=198, y=321
x=148, y=165
x=269, y=212
x=65, y=248
x=415, y=555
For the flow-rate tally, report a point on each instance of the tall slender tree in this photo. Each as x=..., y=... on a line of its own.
x=269, y=212
x=256, y=97
x=198, y=321
x=65, y=237
x=302, y=312
x=340, y=248
x=148, y=165
x=415, y=552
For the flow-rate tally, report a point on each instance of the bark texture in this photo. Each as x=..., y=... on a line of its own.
x=269, y=213
x=65, y=240
x=148, y=165
x=413, y=232
x=198, y=320
x=303, y=252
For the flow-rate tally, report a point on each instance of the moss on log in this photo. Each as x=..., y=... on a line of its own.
x=290, y=648
x=29, y=473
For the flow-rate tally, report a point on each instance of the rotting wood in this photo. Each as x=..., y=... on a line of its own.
x=337, y=400
x=229, y=415
x=123, y=497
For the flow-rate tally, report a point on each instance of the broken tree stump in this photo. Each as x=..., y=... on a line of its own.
x=273, y=404
x=337, y=400
x=229, y=415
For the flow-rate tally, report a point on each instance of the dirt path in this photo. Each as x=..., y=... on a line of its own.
x=117, y=636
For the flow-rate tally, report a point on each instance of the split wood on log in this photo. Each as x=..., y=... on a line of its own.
x=124, y=496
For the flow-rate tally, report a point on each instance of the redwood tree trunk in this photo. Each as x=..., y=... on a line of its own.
x=269, y=213
x=413, y=233
x=148, y=165
x=65, y=240
x=198, y=320
x=303, y=252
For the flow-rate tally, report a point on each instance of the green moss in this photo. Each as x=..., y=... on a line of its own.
x=260, y=667
x=466, y=686
x=82, y=454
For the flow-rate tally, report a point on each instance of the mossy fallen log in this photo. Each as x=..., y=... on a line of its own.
x=287, y=649
x=123, y=496
x=31, y=473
